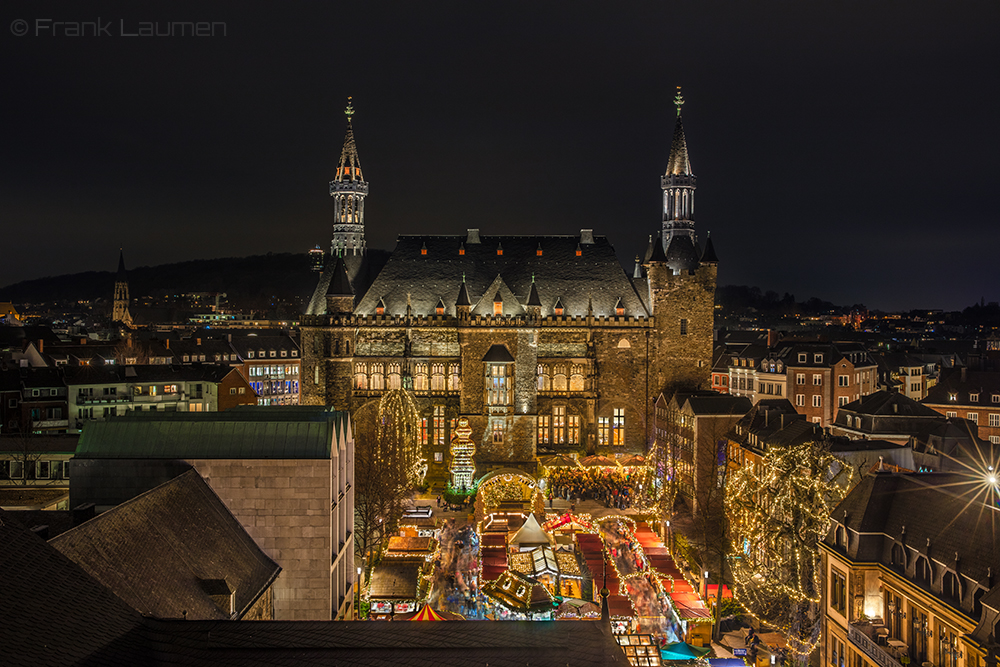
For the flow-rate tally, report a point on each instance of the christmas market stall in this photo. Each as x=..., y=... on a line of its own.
x=516, y=597
x=395, y=585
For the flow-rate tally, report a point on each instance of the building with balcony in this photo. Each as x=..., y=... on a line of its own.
x=910, y=572
x=972, y=395
x=272, y=365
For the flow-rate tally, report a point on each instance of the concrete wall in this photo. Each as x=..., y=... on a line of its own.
x=285, y=506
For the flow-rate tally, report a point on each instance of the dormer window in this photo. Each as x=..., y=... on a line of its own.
x=952, y=397
x=996, y=398
x=498, y=304
x=973, y=398
x=579, y=250
x=439, y=309
x=284, y=353
x=619, y=308
x=499, y=249
x=380, y=307
x=803, y=357
x=559, y=308
x=538, y=252
x=249, y=354
x=817, y=358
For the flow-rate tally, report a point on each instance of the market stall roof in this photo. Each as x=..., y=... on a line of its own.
x=518, y=593
x=396, y=579
x=409, y=545
x=683, y=651
x=427, y=614
x=559, y=461
x=599, y=461
x=633, y=460
x=575, y=608
x=530, y=534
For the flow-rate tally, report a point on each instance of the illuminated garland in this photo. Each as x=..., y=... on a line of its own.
x=779, y=511
x=396, y=436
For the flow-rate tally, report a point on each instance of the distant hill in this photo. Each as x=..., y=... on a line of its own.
x=254, y=279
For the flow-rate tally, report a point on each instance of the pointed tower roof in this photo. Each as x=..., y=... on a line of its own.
x=679, y=164
x=340, y=284
x=533, y=299
x=349, y=169
x=121, y=265
x=658, y=255
x=463, y=294
x=708, y=254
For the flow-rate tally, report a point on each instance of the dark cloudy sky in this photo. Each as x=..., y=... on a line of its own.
x=846, y=150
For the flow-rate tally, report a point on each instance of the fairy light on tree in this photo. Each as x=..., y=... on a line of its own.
x=779, y=511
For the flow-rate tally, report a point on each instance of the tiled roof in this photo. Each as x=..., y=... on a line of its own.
x=158, y=551
x=558, y=272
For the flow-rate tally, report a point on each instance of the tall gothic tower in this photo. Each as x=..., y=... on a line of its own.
x=119, y=312
x=348, y=189
x=679, y=184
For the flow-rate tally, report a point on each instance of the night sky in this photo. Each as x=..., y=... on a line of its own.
x=845, y=150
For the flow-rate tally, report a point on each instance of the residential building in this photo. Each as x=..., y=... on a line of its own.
x=44, y=408
x=908, y=572
x=972, y=395
x=272, y=365
x=691, y=433
x=35, y=470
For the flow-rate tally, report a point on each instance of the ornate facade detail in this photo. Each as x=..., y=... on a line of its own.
x=348, y=189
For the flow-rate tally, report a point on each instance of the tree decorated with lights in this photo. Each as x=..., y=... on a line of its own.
x=779, y=512
x=387, y=466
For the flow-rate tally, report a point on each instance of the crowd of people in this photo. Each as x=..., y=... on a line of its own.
x=614, y=488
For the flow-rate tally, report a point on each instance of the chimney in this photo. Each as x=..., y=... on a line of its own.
x=167, y=343
x=473, y=236
x=41, y=347
x=962, y=374
x=197, y=341
x=83, y=512
x=587, y=236
x=42, y=531
x=772, y=338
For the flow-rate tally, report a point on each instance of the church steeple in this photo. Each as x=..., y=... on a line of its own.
x=119, y=311
x=348, y=189
x=678, y=184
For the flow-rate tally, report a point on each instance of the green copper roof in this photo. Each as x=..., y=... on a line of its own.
x=254, y=437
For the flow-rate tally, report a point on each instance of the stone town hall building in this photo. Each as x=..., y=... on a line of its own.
x=543, y=342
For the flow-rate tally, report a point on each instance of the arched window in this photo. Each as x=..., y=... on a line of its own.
x=576, y=377
x=544, y=378
x=623, y=344
x=454, y=377
x=395, y=377
x=378, y=377
x=437, y=377
x=420, y=378
x=360, y=376
x=560, y=381
x=347, y=348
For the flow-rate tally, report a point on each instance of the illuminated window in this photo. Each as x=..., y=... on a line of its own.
x=560, y=382
x=624, y=344
x=559, y=424
x=437, y=377
x=972, y=417
x=439, y=433
x=378, y=377
x=817, y=379
x=576, y=377
x=498, y=389
x=420, y=378
x=559, y=308
x=817, y=401
x=454, y=377
x=395, y=377
x=423, y=431
x=544, y=379
x=498, y=305
x=994, y=420
x=498, y=432
x=544, y=422
x=603, y=430
x=573, y=429
x=618, y=427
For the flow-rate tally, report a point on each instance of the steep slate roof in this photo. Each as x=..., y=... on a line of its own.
x=242, y=435
x=59, y=614
x=984, y=383
x=85, y=624
x=158, y=551
x=679, y=164
x=559, y=274
x=681, y=253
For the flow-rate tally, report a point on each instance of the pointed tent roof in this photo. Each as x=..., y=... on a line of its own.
x=681, y=253
x=428, y=614
x=530, y=533
x=657, y=255
x=340, y=284
x=121, y=265
x=708, y=254
x=349, y=168
x=679, y=163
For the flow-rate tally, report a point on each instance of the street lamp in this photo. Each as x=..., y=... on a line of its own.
x=357, y=586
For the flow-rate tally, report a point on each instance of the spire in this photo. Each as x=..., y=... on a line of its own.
x=708, y=255
x=679, y=164
x=463, y=294
x=349, y=189
x=349, y=168
x=121, y=266
x=340, y=284
x=658, y=255
x=533, y=299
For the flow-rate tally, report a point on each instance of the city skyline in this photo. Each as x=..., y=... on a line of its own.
x=840, y=154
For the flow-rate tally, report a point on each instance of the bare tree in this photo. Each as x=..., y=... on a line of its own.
x=131, y=352
x=21, y=452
